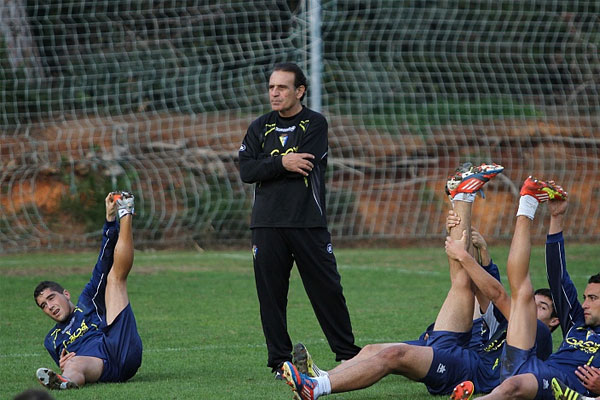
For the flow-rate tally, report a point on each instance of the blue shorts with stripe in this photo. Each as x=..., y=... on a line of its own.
x=517, y=362
x=123, y=347
x=452, y=362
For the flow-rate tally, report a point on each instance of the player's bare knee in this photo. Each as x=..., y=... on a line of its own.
x=523, y=294
x=116, y=280
x=512, y=387
x=395, y=357
x=460, y=280
x=370, y=349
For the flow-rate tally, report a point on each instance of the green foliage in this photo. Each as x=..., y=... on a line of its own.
x=418, y=118
x=113, y=58
x=206, y=334
x=20, y=96
x=5, y=227
x=84, y=202
x=225, y=211
x=340, y=204
x=410, y=58
x=413, y=64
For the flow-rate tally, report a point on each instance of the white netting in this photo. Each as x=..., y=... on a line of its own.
x=155, y=97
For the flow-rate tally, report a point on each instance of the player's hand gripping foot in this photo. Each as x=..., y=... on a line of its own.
x=563, y=392
x=463, y=391
x=302, y=385
x=54, y=381
x=542, y=191
x=470, y=179
x=303, y=361
x=125, y=203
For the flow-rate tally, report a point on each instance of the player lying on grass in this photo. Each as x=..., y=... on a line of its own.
x=524, y=376
x=446, y=358
x=97, y=339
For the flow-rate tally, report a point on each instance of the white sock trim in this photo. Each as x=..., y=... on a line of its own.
x=323, y=386
x=527, y=206
x=466, y=197
x=318, y=371
x=123, y=212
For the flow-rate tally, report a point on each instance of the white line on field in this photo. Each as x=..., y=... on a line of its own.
x=235, y=256
x=219, y=347
x=443, y=271
x=390, y=269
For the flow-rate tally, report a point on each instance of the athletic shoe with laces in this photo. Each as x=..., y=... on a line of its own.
x=303, y=361
x=470, y=179
x=563, y=392
x=54, y=381
x=302, y=385
x=463, y=391
x=125, y=203
x=542, y=191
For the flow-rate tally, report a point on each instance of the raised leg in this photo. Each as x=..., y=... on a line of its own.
x=456, y=313
x=116, y=297
x=523, y=312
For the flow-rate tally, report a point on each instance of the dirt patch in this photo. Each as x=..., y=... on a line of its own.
x=395, y=180
x=42, y=193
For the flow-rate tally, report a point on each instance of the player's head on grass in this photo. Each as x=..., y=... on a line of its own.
x=591, y=301
x=54, y=300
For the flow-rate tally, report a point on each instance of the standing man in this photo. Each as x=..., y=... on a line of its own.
x=284, y=153
x=97, y=339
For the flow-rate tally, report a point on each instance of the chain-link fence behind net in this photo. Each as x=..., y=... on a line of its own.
x=155, y=97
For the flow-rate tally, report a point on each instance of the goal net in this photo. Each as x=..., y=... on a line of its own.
x=155, y=97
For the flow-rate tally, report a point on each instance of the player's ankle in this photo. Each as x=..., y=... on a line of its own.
x=527, y=206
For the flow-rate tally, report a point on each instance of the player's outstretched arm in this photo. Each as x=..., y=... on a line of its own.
x=564, y=293
x=480, y=246
x=110, y=203
x=558, y=209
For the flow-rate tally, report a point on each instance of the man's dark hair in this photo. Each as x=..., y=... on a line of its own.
x=300, y=78
x=56, y=287
x=594, y=279
x=547, y=293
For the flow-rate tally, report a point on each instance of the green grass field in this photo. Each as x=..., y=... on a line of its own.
x=198, y=316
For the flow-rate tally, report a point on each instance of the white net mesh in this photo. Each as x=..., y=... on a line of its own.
x=155, y=97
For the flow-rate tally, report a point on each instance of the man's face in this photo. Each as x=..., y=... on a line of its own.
x=284, y=97
x=56, y=305
x=544, y=310
x=591, y=304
